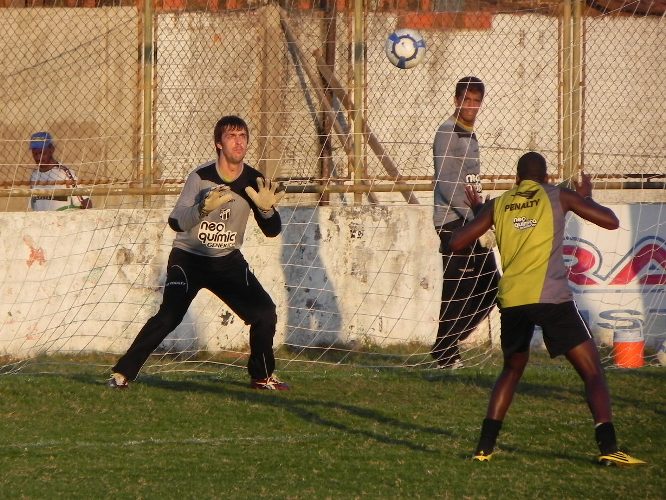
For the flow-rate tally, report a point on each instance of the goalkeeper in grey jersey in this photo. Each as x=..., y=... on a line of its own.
x=469, y=283
x=210, y=218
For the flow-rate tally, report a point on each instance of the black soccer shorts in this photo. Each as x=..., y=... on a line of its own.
x=562, y=325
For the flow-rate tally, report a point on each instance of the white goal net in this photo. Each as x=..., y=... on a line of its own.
x=356, y=274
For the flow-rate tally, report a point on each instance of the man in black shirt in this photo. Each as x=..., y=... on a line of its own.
x=210, y=218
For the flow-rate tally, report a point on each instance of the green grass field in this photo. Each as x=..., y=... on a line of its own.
x=340, y=433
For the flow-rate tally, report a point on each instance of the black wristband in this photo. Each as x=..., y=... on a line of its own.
x=202, y=213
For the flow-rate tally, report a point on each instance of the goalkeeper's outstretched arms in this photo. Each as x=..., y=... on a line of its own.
x=263, y=200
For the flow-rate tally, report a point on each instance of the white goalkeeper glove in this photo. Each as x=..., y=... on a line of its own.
x=215, y=198
x=266, y=198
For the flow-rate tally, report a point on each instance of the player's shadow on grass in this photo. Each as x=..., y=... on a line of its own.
x=572, y=390
x=649, y=378
x=468, y=378
x=537, y=453
x=306, y=409
x=574, y=393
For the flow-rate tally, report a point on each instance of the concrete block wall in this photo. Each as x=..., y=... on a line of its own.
x=88, y=280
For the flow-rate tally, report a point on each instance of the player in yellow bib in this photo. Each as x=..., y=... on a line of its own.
x=533, y=290
x=529, y=226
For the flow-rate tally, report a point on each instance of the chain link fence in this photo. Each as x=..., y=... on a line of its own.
x=625, y=104
x=115, y=82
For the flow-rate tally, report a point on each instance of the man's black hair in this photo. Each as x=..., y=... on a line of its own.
x=532, y=166
x=470, y=83
x=232, y=122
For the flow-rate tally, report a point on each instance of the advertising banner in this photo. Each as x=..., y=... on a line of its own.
x=619, y=277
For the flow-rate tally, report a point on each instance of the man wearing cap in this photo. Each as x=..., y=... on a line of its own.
x=51, y=174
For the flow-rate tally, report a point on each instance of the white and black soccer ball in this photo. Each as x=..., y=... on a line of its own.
x=405, y=48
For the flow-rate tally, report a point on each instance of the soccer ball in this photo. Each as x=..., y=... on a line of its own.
x=405, y=48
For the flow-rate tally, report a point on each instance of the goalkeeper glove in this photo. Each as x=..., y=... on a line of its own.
x=266, y=198
x=488, y=240
x=215, y=198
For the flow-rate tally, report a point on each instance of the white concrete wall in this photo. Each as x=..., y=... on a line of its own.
x=88, y=280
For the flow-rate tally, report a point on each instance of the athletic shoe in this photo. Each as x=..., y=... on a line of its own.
x=117, y=381
x=482, y=456
x=271, y=383
x=619, y=458
x=454, y=364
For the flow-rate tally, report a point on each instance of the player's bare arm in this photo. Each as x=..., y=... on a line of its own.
x=466, y=235
x=581, y=203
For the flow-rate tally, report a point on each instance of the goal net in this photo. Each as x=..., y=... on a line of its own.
x=356, y=273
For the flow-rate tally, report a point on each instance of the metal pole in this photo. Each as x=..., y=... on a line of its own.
x=330, y=42
x=566, y=91
x=359, y=57
x=583, y=85
x=601, y=182
x=576, y=89
x=147, y=98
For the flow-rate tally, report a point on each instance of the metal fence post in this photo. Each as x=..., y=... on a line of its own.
x=148, y=40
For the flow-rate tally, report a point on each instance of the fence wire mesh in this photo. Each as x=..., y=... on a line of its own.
x=79, y=70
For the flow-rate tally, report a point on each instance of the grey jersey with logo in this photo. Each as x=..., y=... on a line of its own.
x=222, y=231
x=456, y=159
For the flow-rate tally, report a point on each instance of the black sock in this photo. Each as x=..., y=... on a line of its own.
x=489, y=432
x=604, y=435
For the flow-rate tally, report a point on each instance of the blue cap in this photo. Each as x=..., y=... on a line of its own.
x=41, y=140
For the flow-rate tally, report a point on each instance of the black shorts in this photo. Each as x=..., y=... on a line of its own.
x=562, y=325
